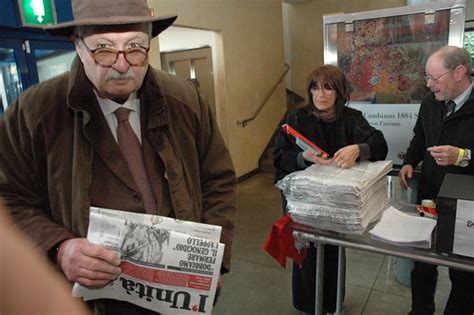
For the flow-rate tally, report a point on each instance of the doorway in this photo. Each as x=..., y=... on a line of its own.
x=194, y=65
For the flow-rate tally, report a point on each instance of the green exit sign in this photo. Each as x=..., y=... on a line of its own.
x=37, y=12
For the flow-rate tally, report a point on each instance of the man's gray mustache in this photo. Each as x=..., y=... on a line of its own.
x=115, y=75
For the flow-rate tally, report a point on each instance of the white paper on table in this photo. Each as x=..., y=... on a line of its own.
x=403, y=229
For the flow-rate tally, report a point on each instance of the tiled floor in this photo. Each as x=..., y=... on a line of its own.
x=258, y=285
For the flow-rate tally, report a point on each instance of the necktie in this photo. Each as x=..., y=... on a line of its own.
x=450, y=107
x=133, y=154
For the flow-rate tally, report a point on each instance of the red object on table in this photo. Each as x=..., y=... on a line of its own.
x=280, y=243
x=426, y=211
x=298, y=136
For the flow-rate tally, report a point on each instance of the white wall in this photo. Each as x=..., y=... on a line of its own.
x=178, y=38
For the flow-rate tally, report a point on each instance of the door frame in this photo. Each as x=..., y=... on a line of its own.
x=24, y=43
x=20, y=59
x=191, y=54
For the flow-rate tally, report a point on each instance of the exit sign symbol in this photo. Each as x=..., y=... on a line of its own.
x=37, y=12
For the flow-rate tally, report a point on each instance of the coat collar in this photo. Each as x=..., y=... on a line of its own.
x=152, y=101
x=466, y=109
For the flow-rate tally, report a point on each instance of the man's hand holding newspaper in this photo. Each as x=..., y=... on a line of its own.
x=76, y=254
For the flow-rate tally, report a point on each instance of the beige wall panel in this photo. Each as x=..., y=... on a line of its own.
x=469, y=10
x=251, y=41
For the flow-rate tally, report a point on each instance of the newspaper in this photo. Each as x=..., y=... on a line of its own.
x=168, y=266
x=337, y=199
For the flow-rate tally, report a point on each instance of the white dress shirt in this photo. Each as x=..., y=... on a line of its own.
x=108, y=107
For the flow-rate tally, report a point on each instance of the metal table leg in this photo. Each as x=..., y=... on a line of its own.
x=341, y=280
x=319, y=278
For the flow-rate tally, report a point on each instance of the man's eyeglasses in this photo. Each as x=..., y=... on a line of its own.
x=436, y=79
x=107, y=57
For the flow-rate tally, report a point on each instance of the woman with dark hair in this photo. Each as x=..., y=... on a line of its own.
x=347, y=137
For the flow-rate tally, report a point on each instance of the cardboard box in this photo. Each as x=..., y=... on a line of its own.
x=455, y=223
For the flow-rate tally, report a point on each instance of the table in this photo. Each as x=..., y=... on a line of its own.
x=304, y=234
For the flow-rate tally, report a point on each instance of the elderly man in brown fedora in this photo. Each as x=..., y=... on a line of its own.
x=113, y=133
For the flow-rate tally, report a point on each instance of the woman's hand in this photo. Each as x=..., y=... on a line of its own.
x=310, y=156
x=347, y=156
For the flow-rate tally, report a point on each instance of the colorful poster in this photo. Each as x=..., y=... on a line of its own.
x=385, y=57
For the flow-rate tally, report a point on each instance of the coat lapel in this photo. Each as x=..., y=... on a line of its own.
x=107, y=149
x=96, y=128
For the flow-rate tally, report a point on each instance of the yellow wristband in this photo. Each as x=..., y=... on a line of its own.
x=460, y=156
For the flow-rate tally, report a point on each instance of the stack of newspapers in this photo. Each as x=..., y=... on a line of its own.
x=332, y=198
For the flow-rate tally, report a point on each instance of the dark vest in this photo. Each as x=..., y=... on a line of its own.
x=112, y=184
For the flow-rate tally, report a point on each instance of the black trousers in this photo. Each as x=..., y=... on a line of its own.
x=304, y=280
x=423, y=287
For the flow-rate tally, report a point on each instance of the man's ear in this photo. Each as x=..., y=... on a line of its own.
x=76, y=40
x=461, y=72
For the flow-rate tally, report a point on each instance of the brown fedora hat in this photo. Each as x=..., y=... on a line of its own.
x=107, y=12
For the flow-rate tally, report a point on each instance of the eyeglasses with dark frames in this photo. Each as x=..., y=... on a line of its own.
x=107, y=57
x=318, y=88
x=436, y=79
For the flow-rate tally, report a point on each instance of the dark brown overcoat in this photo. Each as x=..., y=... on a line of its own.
x=53, y=136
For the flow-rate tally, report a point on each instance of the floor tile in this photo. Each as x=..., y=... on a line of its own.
x=355, y=299
x=387, y=281
x=254, y=289
x=362, y=269
x=442, y=290
x=248, y=246
x=386, y=303
x=259, y=208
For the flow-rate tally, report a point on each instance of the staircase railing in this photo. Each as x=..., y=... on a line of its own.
x=243, y=122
